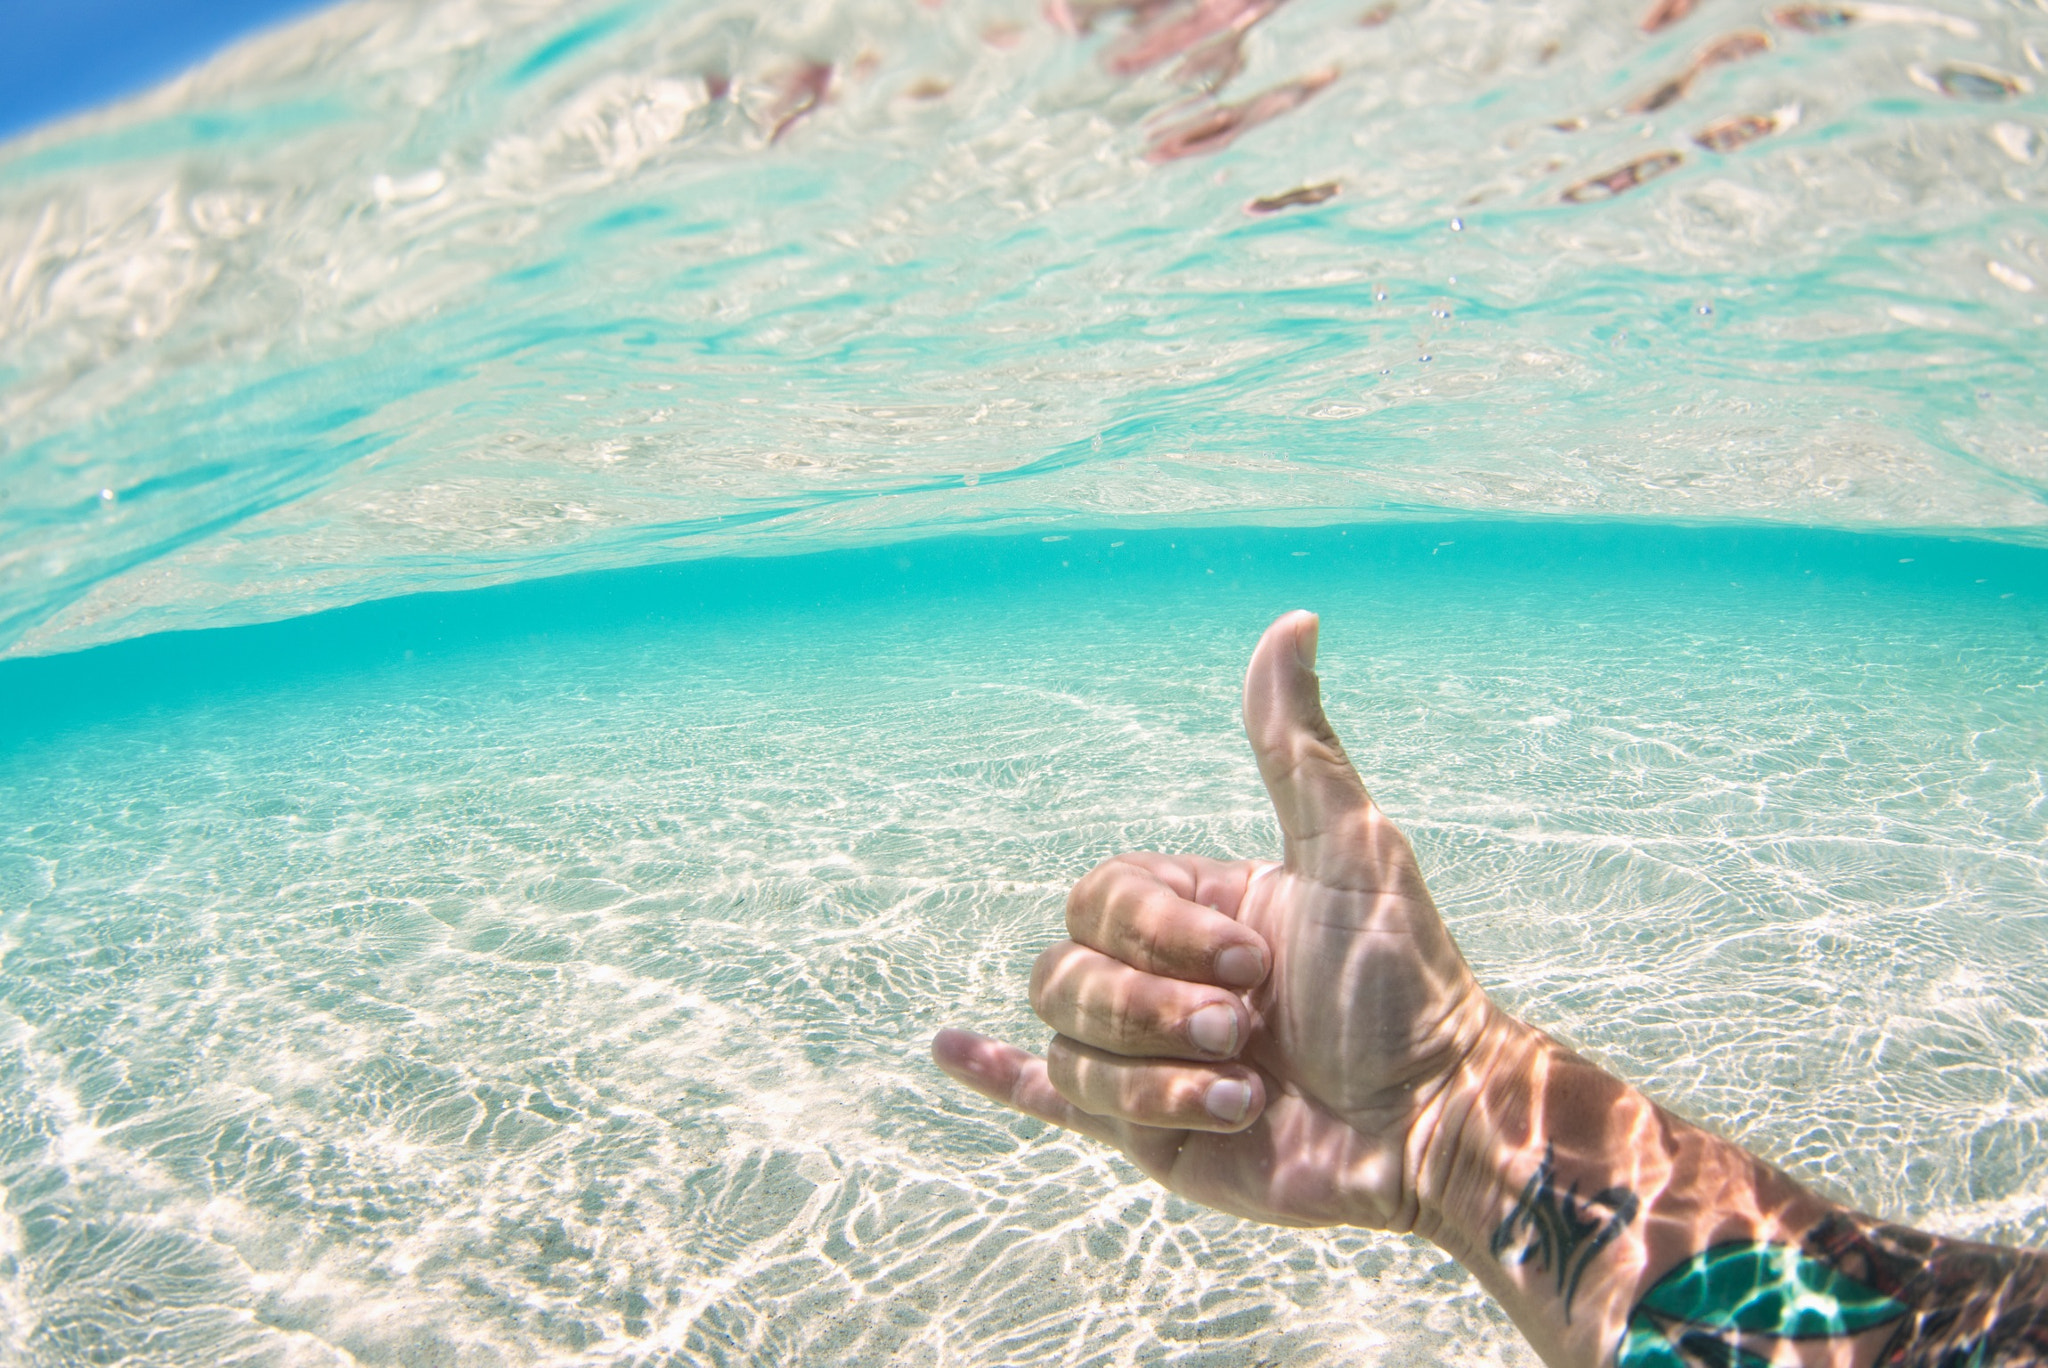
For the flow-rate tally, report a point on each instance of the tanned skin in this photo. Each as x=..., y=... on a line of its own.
x=1302, y=1044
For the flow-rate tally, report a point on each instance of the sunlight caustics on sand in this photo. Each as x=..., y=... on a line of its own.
x=546, y=977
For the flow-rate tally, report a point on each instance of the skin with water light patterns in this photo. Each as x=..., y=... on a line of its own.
x=1301, y=1043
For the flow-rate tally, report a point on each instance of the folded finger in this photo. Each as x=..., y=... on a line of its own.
x=1128, y=911
x=1219, y=884
x=1103, y=1002
x=1160, y=1093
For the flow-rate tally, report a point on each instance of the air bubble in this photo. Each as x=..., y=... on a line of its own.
x=106, y=496
x=1457, y=225
x=1705, y=310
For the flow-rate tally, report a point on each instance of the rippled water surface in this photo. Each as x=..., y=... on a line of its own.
x=414, y=295
x=936, y=399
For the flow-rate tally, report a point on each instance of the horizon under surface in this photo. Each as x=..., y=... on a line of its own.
x=545, y=973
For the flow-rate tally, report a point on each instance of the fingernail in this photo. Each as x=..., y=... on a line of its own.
x=1305, y=642
x=1214, y=1029
x=1240, y=966
x=1228, y=1100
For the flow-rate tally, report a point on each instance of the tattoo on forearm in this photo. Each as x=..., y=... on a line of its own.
x=1950, y=1304
x=1559, y=1231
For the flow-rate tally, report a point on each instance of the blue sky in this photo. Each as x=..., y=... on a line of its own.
x=61, y=56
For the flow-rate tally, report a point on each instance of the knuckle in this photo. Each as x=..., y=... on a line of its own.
x=1172, y=1095
x=1151, y=935
x=1137, y=925
x=1135, y=1095
x=1119, y=893
x=1082, y=895
x=1050, y=974
x=1042, y=970
x=1120, y=910
x=1124, y=1018
x=1062, y=1071
x=1094, y=893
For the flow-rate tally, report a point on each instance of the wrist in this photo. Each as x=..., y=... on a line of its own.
x=1459, y=1155
x=1560, y=1250
x=1568, y=1194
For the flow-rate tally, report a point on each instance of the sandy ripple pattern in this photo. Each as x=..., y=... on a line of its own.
x=560, y=996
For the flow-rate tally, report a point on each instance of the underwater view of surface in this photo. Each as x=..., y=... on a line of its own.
x=867, y=437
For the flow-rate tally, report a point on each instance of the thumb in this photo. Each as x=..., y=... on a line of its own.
x=1320, y=800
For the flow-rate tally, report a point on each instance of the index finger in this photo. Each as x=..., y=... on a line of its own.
x=1141, y=909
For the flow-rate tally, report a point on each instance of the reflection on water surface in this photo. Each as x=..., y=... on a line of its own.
x=411, y=296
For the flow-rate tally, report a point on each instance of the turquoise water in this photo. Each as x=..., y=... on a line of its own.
x=864, y=507
x=419, y=296
x=544, y=975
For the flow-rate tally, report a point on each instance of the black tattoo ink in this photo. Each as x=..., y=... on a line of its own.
x=1560, y=1231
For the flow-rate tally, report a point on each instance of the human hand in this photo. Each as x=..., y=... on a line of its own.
x=1296, y=1043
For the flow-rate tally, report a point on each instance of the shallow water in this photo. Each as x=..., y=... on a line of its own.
x=420, y=295
x=545, y=974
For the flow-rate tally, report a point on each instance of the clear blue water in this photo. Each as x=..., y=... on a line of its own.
x=542, y=973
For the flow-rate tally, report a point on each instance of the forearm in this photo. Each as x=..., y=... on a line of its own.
x=1615, y=1233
